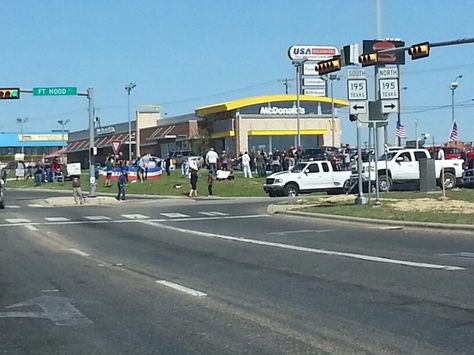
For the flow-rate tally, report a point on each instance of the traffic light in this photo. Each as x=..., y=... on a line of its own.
x=352, y=118
x=368, y=59
x=10, y=94
x=329, y=66
x=419, y=50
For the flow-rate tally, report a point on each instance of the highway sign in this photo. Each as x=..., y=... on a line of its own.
x=389, y=106
x=388, y=89
x=356, y=74
x=359, y=107
x=315, y=91
x=387, y=73
x=356, y=89
x=55, y=91
x=314, y=82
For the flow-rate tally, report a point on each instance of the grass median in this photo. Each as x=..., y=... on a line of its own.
x=456, y=208
x=173, y=185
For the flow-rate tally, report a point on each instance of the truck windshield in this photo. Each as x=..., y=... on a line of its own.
x=298, y=168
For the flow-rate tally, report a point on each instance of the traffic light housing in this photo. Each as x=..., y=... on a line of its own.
x=9, y=94
x=352, y=118
x=420, y=50
x=329, y=66
x=368, y=59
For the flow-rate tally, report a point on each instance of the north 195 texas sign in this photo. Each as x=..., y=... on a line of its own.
x=316, y=53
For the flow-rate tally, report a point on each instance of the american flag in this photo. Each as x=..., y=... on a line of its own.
x=401, y=131
x=453, y=137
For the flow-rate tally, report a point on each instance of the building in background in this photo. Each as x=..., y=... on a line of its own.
x=38, y=144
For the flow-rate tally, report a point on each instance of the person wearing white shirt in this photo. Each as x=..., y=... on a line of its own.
x=211, y=160
x=246, y=165
x=440, y=154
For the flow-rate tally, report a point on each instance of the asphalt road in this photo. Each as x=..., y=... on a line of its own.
x=224, y=277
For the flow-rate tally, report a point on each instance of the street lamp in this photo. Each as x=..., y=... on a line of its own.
x=63, y=123
x=129, y=88
x=21, y=122
x=332, y=77
x=298, y=64
x=454, y=85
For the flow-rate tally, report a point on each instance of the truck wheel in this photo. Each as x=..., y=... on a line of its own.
x=385, y=183
x=449, y=181
x=347, y=187
x=291, y=190
x=272, y=194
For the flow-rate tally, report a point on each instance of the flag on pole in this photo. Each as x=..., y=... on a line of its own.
x=453, y=137
x=401, y=131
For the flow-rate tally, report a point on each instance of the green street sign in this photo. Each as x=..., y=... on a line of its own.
x=55, y=91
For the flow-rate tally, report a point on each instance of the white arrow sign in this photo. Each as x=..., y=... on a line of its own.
x=57, y=309
x=358, y=107
x=389, y=106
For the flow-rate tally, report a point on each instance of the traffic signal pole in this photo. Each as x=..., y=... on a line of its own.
x=92, y=182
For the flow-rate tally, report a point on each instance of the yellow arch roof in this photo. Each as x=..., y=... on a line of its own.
x=232, y=105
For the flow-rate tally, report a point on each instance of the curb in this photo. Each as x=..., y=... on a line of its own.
x=291, y=210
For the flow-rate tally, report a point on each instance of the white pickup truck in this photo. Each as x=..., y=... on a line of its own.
x=307, y=177
x=403, y=165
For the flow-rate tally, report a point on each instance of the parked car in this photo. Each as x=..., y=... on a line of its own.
x=315, y=154
x=2, y=192
x=307, y=177
x=468, y=178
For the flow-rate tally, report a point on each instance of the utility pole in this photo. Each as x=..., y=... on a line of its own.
x=129, y=88
x=22, y=121
x=92, y=182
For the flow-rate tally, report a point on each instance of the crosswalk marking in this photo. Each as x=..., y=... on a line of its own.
x=12, y=206
x=17, y=220
x=135, y=216
x=212, y=213
x=174, y=215
x=57, y=219
x=97, y=218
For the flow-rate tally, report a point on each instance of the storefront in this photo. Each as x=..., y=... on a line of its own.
x=271, y=122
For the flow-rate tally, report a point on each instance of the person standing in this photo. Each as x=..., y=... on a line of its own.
x=76, y=190
x=260, y=161
x=122, y=181
x=246, y=165
x=211, y=160
x=109, y=167
x=224, y=160
x=194, y=180
x=210, y=181
x=440, y=154
x=168, y=164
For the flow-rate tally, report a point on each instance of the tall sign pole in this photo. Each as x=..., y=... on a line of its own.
x=92, y=182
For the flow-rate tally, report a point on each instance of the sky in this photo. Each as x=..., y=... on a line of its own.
x=191, y=53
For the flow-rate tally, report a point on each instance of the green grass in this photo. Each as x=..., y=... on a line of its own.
x=165, y=185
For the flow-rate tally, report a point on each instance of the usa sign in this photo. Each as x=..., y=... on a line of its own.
x=317, y=53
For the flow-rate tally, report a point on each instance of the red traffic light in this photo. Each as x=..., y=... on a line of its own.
x=9, y=94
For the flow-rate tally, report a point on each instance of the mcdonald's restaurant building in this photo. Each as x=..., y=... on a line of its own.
x=250, y=124
x=271, y=122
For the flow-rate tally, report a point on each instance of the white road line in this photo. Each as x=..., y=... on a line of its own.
x=78, y=252
x=174, y=215
x=12, y=206
x=214, y=213
x=17, y=220
x=135, y=216
x=21, y=224
x=301, y=231
x=184, y=289
x=57, y=219
x=309, y=250
x=31, y=228
x=35, y=206
x=97, y=218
